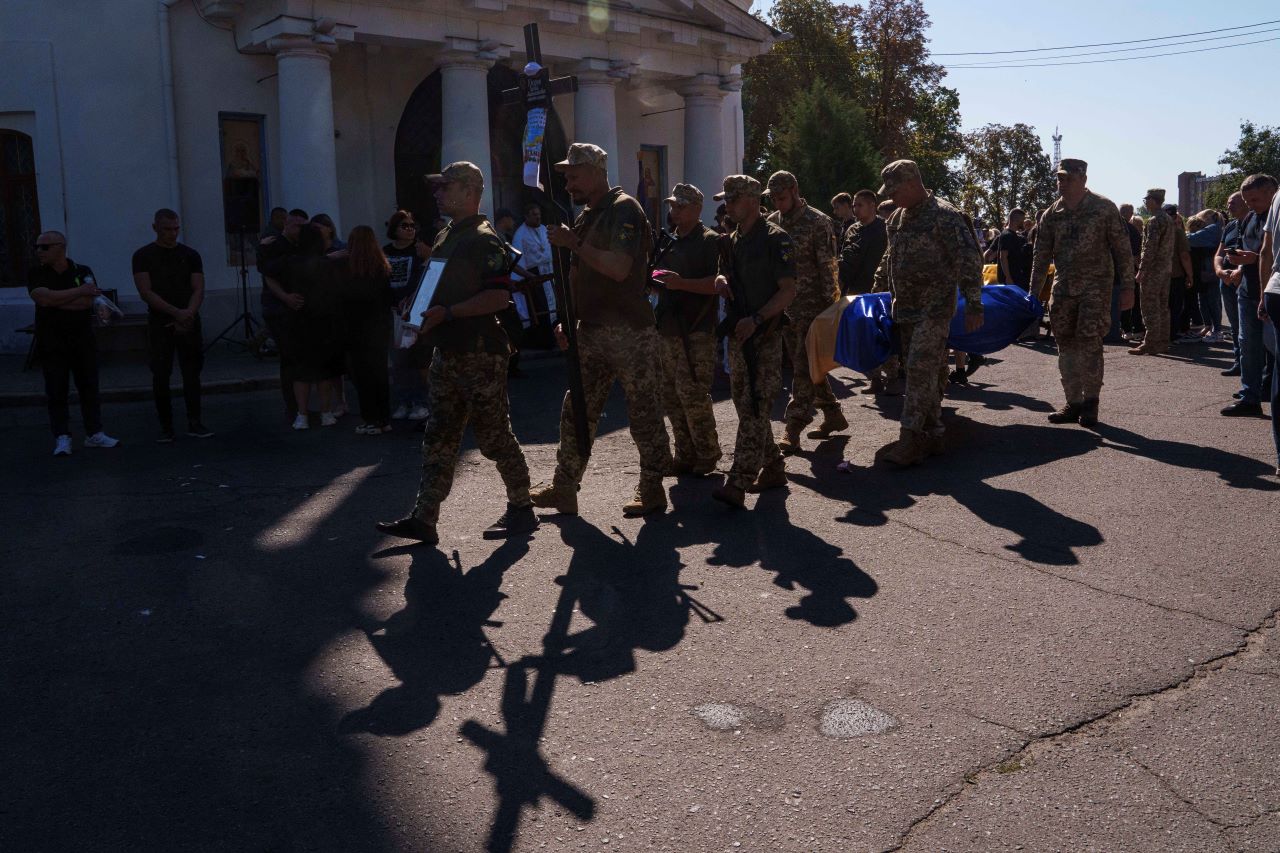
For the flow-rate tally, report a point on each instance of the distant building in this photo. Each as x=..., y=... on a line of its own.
x=1192, y=187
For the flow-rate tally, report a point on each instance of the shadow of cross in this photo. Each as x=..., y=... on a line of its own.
x=521, y=775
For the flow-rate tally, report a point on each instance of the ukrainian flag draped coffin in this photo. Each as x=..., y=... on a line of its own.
x=865, y=339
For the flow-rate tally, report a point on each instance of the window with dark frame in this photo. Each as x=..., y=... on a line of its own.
x=19, y=207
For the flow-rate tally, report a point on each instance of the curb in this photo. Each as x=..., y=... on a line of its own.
x=138, y=392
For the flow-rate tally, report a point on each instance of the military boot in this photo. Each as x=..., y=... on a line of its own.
x=887, y=449
x=833, y=420
x=772, y=476
x=1089, y=413
x=789, y=441
x=514, y=522
x=562, y=497
x=1068, y=414
x=912, y=448
x=935, y=443
x=703, y=467
x=731, y=495
x=649, y=497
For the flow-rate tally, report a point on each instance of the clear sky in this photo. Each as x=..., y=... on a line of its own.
x=1137, y=123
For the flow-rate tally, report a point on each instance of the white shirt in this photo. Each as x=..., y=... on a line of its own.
x=1273, y=228
x=533, y=246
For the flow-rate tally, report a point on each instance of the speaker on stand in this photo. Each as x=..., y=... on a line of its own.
x=243, y=215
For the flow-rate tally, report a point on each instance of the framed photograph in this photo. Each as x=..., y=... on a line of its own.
x=426, y=292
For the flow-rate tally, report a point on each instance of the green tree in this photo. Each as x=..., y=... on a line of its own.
x=1005, y=167
x=934, y=139
x=821, y=47
x=1258, y=151
x=826, y=143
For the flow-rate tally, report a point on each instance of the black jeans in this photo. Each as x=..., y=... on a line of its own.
x=164, y=343
x=1177, y=300
x=279, y=325
x=65, y=355
x=367, y=342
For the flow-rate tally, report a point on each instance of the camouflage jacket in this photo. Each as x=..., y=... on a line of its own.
x=932, y=251
x=1157, y=247
x=1088, y=246
x=813, y=236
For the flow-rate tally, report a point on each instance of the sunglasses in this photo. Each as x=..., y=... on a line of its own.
x=40, y=247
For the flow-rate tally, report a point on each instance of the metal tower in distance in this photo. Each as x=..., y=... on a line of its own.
x=1057, y=149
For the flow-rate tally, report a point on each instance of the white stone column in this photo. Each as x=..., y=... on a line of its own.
x=309, y=164
x=704, y=165
x=464, y=81
x=595, y=110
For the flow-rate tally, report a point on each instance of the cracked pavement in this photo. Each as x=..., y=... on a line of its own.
x=1073, y=633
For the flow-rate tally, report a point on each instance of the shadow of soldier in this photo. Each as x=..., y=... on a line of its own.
x=983, y=451
x=765, y=535
x=436, y=645
x=1239, y=472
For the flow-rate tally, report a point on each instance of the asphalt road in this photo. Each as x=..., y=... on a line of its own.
x=1047, y=639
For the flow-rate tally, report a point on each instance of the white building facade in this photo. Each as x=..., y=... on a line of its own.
x=112, y=110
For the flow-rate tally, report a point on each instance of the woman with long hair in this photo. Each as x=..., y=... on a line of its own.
x=316, y=339
x=366, y=298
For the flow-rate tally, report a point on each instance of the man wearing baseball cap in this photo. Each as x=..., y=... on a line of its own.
x=1085, y=239
x=813, y=236
x=469, y=368
x=932, y=251
x=1154, y=270
x=686, y=333
x=610, y=241
x=757, y=278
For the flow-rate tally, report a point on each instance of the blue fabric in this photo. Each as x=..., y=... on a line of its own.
x=1007, y=310
x=865, y=338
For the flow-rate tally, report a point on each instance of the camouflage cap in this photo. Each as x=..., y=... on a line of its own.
x=736, y=185
x=896, y=174
x=682, y=194
x=462, y=172
x=584, y=154
x=1156, y=195
x=779, y=181
x=1072, y=167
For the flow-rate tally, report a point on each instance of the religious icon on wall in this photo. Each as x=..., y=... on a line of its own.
x=652, y=180
x=243, y=187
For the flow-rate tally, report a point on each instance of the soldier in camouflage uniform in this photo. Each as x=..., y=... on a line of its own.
x=686, y=333
x=617, y=341
x=469, y=368
x=1154, y=269
x=932, y=250
x=757, y=279
x=1085, y=239
x=817, y=287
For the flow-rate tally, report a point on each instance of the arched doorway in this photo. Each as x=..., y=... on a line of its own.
x=418, y=145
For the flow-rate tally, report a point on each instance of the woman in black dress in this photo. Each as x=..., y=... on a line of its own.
x=317, y=339
x=366, y=299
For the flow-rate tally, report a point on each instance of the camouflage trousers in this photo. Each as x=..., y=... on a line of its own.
x=468, y=388
x=924, y=360
x=1155, y=310
x=630, y=356
x=686, y=395
x=754, y=447
x=805, y=393
x=1079, y=324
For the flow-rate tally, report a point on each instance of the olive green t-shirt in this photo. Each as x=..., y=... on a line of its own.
x=695, y=255
x=761, y=257
x=616, y=224
x=475, y=260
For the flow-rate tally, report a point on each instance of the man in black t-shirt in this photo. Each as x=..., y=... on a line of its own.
x=64, y=292
x=1013, y=255
x=170, y=279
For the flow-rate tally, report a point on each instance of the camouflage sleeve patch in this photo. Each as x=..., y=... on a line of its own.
x=783, y=255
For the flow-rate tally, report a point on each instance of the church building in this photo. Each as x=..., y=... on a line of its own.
x=111, y=110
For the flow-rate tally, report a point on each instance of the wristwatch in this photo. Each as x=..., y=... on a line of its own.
x=758, y=319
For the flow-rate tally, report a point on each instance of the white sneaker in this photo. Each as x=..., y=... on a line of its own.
x=63, y=446
x=328, y=419
x=419, y=413
x=100, y=439
x=1213, y=338
x=401, y=412
x=300, y=422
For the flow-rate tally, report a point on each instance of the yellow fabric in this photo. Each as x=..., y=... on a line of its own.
x=820, y=341
x=989, y=277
